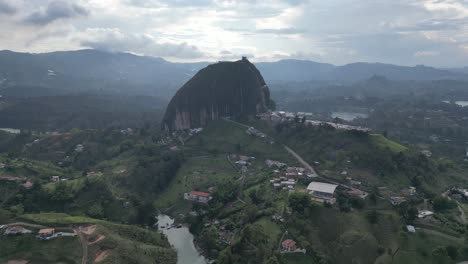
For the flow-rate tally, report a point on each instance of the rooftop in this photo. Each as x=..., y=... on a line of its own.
x=46, y=231
x=322, y=187
x=203, y=194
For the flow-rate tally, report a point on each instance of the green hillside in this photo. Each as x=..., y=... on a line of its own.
x=108, y=242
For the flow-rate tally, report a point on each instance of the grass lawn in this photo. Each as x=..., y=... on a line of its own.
x=27, y=247
x=383, y=142
x=417, y=247
x=271, y=228
x=58, y=218
x=227, y=137
x=197, y=173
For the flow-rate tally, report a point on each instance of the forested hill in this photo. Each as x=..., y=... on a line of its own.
x=65, y=112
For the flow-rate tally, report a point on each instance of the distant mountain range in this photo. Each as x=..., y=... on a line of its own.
x=99, y=70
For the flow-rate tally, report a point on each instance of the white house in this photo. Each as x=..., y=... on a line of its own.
x=55, y=178
x=424, y=214
x=322, y=190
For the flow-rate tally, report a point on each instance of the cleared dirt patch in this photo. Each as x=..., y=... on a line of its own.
x=99, y=238
x=101, y=256
x=89, y=230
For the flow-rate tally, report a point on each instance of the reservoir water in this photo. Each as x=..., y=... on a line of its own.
x=348, y=116
x=462, y=103
x=182, y=240
x=11, y=130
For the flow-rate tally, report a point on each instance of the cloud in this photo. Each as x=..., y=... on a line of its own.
x=114, y=40
x=168, y=3
x=7, y=8
x=54, y=11
x=426, y=53
x=280, y=31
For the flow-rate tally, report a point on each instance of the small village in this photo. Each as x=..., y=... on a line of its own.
x=41, y=234
x=303, y=117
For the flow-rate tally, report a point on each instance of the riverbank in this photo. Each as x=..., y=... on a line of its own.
x=182, y=240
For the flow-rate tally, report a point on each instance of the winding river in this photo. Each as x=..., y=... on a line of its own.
x=182, y=240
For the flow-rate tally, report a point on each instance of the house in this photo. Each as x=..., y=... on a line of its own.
x=274, y=163
x=195, y=196
x=13, y=230
x=322, y=190
x=411, y=229
x=242, y=162
x=289, y=245
x=46, y=233
x=79, y=148
x=55, y=178
x=173, y=148
x=28, y=185
x=425, y=214
x=396, y=200
x=412, y=190
x=358, y=193
x=426, y=153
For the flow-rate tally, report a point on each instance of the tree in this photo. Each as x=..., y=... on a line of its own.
x=96, y=210
x=299, y=202
x=441, y=204
x=452, y=251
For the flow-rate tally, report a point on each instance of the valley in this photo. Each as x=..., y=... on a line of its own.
x=372, y=171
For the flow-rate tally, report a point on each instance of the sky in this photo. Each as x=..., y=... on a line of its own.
x=404, y=32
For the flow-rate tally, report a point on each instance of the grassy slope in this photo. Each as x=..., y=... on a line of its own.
x=206, y=162
x=345, y=236
x=60, y=250
x=126, y=244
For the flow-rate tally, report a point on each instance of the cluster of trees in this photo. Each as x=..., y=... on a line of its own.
x=65, y=112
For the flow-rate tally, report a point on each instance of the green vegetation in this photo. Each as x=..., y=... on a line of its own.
x=27, y=247
x=122, y=243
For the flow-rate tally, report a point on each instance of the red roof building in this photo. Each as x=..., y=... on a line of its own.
x=289, y=245
x=197, y=196
x=202, y=194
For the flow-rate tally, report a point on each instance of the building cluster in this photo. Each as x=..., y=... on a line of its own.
x=42, y=234
x=127, y=132
x=458, y=194
x=288, y=176
x=199, y=197
x=284, y=183
x=283, y=116
x=403, y=196
x=79, y=148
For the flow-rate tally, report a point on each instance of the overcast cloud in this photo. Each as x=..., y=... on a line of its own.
x=406, y=32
